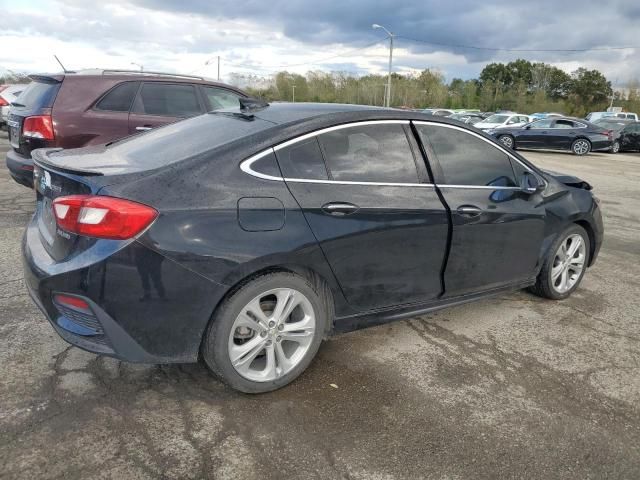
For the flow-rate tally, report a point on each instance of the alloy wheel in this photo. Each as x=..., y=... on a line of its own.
x=272, y=334
x=507, y=141
x=581, y=147
x=568, y=263
x=615, y=148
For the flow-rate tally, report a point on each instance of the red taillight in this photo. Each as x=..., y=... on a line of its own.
x=69, y=301
x=3, y=102
x=102, y=217
x=39, y=126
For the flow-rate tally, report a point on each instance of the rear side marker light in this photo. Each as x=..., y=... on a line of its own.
x=69, y=301
x=39, y=126
x=102, y=217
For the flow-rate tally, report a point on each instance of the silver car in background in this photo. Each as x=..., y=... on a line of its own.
x=9, y=95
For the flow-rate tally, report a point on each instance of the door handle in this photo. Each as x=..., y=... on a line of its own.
x=469, y=211
x=143, y=128
x=340, y=209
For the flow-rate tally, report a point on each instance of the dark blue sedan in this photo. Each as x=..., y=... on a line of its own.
x=556, y=133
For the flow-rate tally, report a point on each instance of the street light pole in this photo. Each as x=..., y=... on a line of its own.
x=293, y=87
x=388, y=92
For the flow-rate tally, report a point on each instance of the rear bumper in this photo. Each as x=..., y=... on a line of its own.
x=20, y=168
x=131, y=320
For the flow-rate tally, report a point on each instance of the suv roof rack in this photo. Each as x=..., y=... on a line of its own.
x=137, y=72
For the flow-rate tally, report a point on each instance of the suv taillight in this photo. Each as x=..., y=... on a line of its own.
x=3, y=102
x=38, y=126
x=102, y=217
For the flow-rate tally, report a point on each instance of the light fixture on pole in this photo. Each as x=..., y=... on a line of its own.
x=388, y=92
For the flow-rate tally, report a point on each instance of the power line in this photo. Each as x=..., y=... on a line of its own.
x=497, y=49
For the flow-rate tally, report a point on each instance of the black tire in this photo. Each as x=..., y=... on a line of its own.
x=544, y=285
x=215, y=345
x=579, y=142
x=508, y=141
x=615, y=147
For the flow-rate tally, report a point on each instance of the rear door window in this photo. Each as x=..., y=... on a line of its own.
x=166, y=99
x=221, y=98
x=564, y=124
x=369, y=153
x=466, y=159
x=541, y=124
x=119, y=98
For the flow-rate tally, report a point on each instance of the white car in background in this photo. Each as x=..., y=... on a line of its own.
x=7, y=96
x=500, y=120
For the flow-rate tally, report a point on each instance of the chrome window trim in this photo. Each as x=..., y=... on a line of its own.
x=489, y=142
x=336, y=127
x=245, y=165
x=348, y=182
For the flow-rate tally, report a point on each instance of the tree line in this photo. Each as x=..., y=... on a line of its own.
x=520, y=85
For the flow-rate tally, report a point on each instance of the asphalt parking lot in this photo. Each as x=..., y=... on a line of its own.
x=514, y=387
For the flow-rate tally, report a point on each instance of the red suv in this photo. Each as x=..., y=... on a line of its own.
x=74, y=110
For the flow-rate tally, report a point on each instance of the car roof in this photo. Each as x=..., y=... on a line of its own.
x=129, y=75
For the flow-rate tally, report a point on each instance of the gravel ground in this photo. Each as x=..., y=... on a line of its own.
x=513, y=387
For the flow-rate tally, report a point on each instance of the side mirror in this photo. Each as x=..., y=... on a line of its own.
x=530, y=183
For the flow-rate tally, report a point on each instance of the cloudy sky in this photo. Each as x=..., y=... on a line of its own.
x=264, y=36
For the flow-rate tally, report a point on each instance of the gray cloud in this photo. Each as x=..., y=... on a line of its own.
x=287, y=26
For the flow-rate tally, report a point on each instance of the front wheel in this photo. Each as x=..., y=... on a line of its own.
x=507, y=141
x=581, y=146
x=266, y=334
x=565, y=264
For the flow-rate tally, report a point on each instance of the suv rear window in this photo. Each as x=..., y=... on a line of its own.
x=167, y=99
x=39, y=95
x=119, y=98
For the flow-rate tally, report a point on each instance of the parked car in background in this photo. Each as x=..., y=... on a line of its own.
x=626, y=133
x=438, y=112
x=593, y=116
x=470, y=118
x=539, y=115
x=8, y=95
x=579, y=136
x=94, y=107
x=262, y=231
x=500, y=120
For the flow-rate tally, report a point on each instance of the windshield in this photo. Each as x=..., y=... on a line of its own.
x=497, y=119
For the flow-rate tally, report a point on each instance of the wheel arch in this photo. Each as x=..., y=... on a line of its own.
x=592, y=238
x=321, y=284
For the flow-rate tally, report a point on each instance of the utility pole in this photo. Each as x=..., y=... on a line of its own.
x=388, y=90
x=293, y=87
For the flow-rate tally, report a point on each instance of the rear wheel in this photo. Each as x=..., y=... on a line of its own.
x=615, y=147
x=565, y=264
x=581, y=146
x=507, y=141
x=266, y=334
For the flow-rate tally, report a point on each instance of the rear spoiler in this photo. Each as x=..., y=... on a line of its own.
x=41, y=157
x=47, y=78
